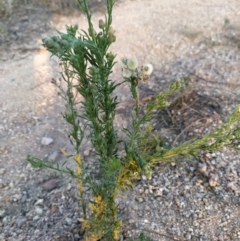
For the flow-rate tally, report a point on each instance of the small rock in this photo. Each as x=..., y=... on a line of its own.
x=5, y=220
x=25, y=195
x=131, y=221
x=24, y=198
x=53, y=157
x=50, y=184
x=29, y=215
x=147, y=208
x=69, y=187
x=24, y=19
x=87, y=151
x=140, y=199
x=46, y=141
x=213, y=162
x=140, y=190
x=188, y=236
x=232, y=186
x=158, y=192
x=35, y=218
x=21, y=221
x=68, y=220
x=135, y=207
x=16, y=197
x=39, y=210
x=1, y=183
x=39, y=202
x=144, y=177
x=37, y=231
x=2, y=171
x=154, y=226
x=169, y=196
x=2, y=213
x=202, y=167
x=213, y=181
x=76, y=237
x=54, y=208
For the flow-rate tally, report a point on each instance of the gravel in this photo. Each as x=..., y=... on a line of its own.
x=46, y=141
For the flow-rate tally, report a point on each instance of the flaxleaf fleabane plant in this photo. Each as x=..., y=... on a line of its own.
x=91, y=108
x=90, y=105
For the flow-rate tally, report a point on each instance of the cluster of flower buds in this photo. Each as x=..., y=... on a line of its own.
x=64, y=41
x=57, y=44
x=94, y=72
x=111, y=33
x=130, y=69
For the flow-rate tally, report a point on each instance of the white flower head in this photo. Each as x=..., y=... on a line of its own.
x=126, y=73
x=147, y=69
x=132, y=63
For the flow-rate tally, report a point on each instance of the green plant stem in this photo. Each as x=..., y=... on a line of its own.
x=135, y=96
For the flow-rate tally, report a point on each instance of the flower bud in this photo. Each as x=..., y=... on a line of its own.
x=111, y=38
x=94, y=32
x=93, y=70
x=145, y=78
x=70, y=94
x=64, y=43
x=101, y=24
x=73, y=58
x=56, y=46
x=96, y=77
x=53, y=81
x=48, y=42
x=111, y=31
x=110, y=57
x=139, y=78
x=67, y=37
x=55, y=38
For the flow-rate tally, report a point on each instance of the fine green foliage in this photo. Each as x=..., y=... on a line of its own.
x=227, y=135
x=91, y=105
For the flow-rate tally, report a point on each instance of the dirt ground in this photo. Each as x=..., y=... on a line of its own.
x=179, y=38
